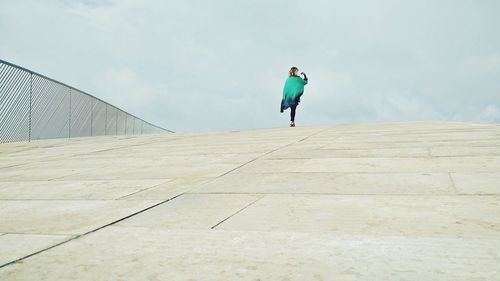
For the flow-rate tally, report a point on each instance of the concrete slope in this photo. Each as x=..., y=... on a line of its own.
x=380, y=201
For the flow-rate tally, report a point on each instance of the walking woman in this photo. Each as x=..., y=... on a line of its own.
x=293, y=89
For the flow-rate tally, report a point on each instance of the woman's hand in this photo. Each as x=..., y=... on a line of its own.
x=305, y=77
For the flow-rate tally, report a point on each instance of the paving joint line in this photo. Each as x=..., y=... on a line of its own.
x=237, y=212
x=262, y=155
x=315, y=133
x=395, y=157
x=453, y=184
x=14, y=165
x=90, y=153
x=74, y=174
x=349, y=194
x=39, y=233
x=88, y=232
x=365, y=172
x=144, y=189
x=102, y=150
x=72, y=199
x=266, y=153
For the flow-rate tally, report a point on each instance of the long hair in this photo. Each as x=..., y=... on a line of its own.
x=293, y=71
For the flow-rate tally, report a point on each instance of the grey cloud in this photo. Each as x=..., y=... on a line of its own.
x=217, y=65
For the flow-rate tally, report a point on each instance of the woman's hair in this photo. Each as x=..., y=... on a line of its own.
x=293, y=71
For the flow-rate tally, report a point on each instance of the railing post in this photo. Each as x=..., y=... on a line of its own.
x=69, y=117
x=105, y=117
x=31, y=99
x=91, y=114
x=116, y=122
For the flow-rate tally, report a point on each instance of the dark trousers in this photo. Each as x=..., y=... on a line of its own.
x=292, y=113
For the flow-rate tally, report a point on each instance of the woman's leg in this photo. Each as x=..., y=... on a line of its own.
x=292, y=113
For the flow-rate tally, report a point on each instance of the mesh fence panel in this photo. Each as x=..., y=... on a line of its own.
x=80, y=114
x=98, y=118
x=14, y=104
x=33, y=106
x=121, y=122
x=49, y=109
x=111, y=114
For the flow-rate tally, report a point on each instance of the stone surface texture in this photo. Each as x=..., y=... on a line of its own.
x=367, y=201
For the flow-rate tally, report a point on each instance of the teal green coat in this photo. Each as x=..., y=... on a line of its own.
x=293, y=89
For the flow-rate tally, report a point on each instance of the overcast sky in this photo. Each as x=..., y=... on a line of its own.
x=220, y=65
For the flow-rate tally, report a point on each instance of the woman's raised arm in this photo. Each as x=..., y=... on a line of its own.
x=305, y=77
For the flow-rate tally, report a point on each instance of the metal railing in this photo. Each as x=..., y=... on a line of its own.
x=33, y=106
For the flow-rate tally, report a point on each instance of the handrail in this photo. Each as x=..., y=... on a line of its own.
x=34, y=106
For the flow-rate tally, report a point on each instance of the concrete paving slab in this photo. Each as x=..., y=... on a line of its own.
x=153, y=172
x=376, y=165
x=366, y=201
x=345, y=153
x=448, y=216
x=64, y=216
x=331, y=183
x=464, y=150
x=133, y=253
x=369, y=144
x=477, y=183
x=11, y=163
x=169, y=189
x=85, y=189
x=192, y=211
x=64, y=148
x=39, y=173
x=16, y=246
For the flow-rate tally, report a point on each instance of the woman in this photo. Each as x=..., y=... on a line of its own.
x=294, y=88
